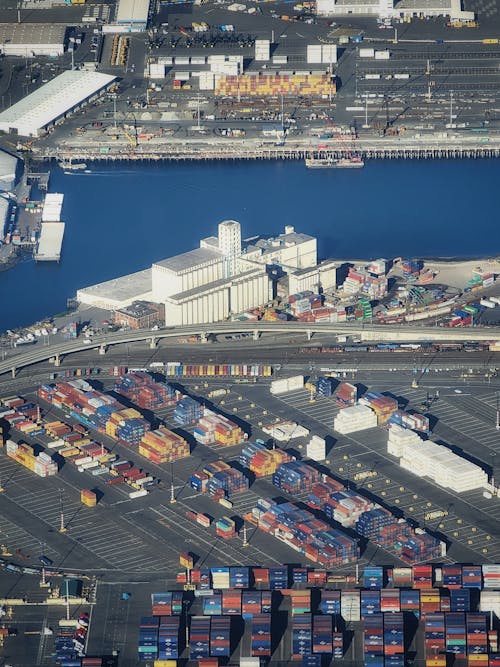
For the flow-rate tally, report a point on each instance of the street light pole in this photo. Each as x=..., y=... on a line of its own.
x=497, y=424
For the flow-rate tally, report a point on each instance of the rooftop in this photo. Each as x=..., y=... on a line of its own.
x=31, y=33
x=132, y=11
x=122, y=289
x=281, y=241
x=190, y=260
x=52, y=100
x=138, y=309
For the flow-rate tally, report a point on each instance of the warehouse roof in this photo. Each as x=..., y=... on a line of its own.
x=52, y=100
x=8, y=168
x=31, y=33
x=132, y=11
x=190, y=260
x=122, y=289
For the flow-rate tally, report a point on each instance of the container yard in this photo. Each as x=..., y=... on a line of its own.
x=387, y=614
x=276, y=499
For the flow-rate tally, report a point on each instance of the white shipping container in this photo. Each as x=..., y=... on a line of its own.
x=181, y=60
x=314, y=53
x=144, y=480
x=198, y=60
x=56, y=443
x=366, y=53
x=262, y=49
x=138, y=494
x=295, y=382
x=279, y=386
x=372, y=76
x=182, y=76
x=82, y=460
x=487, y=303
x=166, y=60
x=401, y=76
x=329, y=53
x=382, y=55
x=156, y=71
x=280, y=60
x=206, y=81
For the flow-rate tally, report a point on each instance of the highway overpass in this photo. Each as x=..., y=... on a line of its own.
x=370, y=332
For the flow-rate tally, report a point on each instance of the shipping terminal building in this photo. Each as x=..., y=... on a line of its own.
x=217, y=280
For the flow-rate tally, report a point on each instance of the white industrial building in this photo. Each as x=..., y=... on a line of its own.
x=133, y=14
x=215, y=281
x=9, y=166
x=400, y=9
x=291, y=250
x=53, y=101
x=29, y=40
x=118, y=293
x=428, y=459
x=322, y=277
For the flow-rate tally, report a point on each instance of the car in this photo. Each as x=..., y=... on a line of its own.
x=45, y=560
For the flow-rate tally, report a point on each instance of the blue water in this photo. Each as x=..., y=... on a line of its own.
x=121, y=219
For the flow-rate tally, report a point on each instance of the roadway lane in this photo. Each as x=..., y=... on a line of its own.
x=373, y=332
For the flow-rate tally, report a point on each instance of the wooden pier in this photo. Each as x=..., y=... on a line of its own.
x=368, y=150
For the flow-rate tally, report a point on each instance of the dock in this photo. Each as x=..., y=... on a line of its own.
x=50, y=242
x=41, y=179
x=407, y=149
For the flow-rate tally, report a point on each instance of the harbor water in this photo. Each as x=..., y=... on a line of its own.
x=121, y=218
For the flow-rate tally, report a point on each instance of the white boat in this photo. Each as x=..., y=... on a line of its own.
x=72, y=166
x=334, y=163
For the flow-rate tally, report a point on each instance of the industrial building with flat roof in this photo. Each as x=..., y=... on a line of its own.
x=67, y=92
x=134, y=13
x=215, y=281
x=119, y=292
x=29, y=40
x=398, y=9
x=10, y=165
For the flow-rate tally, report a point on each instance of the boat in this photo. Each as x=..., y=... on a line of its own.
x=334, y=163
x=72, y=166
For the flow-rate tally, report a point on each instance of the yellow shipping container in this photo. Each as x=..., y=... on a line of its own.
x=111, y=429
x=165, y=663
x=67, y=453
x=491, y=41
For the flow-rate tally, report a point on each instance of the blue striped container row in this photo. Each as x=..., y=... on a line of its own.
x=212, y=605
x=330, y=602
x=239, y=577
x=373, y=577
x=299, y=575
x=370, y=603
x=302, y=635
x=460, y=599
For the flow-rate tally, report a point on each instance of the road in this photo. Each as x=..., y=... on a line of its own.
x=372, y=332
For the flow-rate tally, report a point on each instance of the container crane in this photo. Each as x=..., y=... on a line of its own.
x=351, y=155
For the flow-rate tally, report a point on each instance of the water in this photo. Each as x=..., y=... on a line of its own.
x=121, y=219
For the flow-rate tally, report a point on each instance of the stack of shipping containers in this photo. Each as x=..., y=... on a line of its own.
x=261, y=635
x=374, y=640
